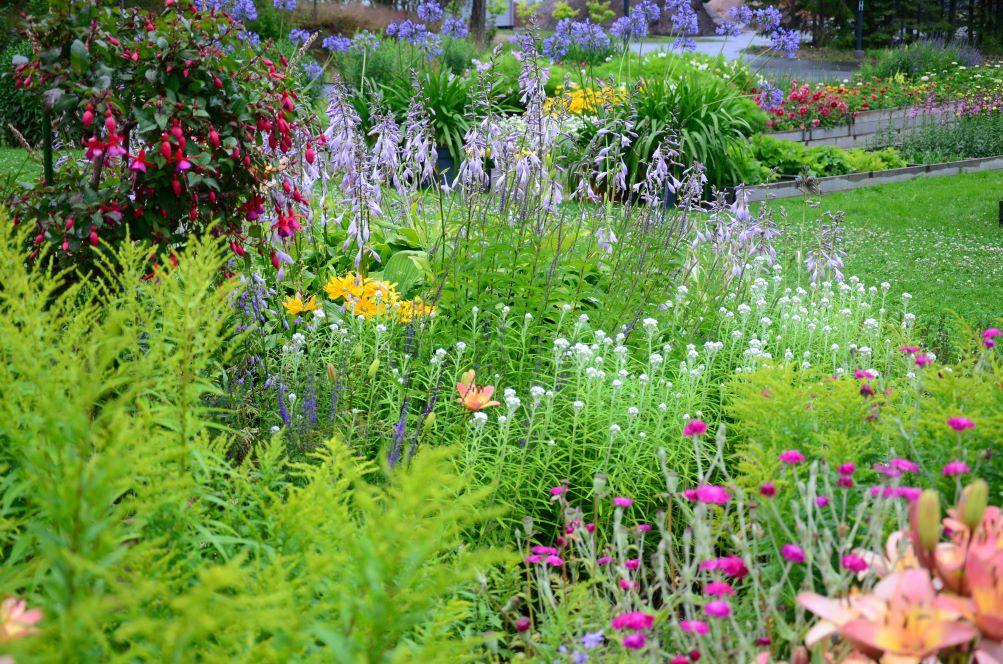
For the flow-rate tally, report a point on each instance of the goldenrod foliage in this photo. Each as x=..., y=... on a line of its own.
x=122, y=518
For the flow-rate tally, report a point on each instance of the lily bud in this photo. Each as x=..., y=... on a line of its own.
x=429, y=424
x=331, y=373
x=973, y=503
x=373, y=368
x=926, y=519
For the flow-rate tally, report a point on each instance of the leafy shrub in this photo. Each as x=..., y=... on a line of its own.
x=125, y=521
x=563, y=10
x=183, y=122
x=875, y=160
x=23, y=112
x=921, y=57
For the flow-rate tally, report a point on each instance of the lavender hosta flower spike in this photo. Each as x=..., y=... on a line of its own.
x=386, y=150
x=419, y=153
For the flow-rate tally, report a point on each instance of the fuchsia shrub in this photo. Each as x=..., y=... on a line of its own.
x=184, y=123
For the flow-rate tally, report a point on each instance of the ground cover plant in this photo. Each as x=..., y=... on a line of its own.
x=552, y=404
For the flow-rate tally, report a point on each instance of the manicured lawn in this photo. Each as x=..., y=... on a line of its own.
x=938, y=239
x=15, y=161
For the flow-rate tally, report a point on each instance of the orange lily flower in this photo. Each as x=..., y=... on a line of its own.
x=474, y=397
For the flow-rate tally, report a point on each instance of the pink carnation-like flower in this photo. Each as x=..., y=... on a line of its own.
x=634, y=641
x=633, y=563
x=821, y=501
x=793, y=553
x=557, y=490
x=845, y=482
x=523, y=624
x=847, y=469
x=17, y=620
x=989, y=336
x=909, y=350
x=544, y=550
x=718, y=608
x=620, y=501
x=695, y=428
x=643, y=527
x=719, y=589
x=709, y=493
x=908, y=492
x=532, y=560
x=863, y=374
x=767, y=490
x=694, y=626
x=633, y=620
x=956, y=467
x=554, y=561
x=854, y=563
x=604, y=560
x=791, y=457
x=904, y=465
x=960, y=423
x=923, y=360
x=627, y=584
x=680, y=659
x=732, y=566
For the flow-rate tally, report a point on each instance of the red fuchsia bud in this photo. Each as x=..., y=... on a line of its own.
x=247, y=161
x=275, y=260
x=94, y=237
x=286, y=143
x=169, y=3
x=237, y=249
x=285, y=62
x=150, y=27
x=176, y=186
x=235, y=154
x=287, y=103
x=182, y=142
x=273, y=142
x=287, y=186
x=109, y=122
x=165, y=148
x=212, y=197
x=310, y=154
x=39, y=238
x=213, y=137
x=66, y=245
x=218, y=83
x=69, y=223
x=193, y=212
x=114, y=40
x=88, y=117
x=177, y=131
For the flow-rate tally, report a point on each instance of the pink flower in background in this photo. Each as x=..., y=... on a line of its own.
x=620, y=501
x=695, y=428
x=634, y=641
x=906, y=466
x=633, y=563
x=956, y=467
x=708, y=493
x=694, y=626
x=634, y=620
x=793, y=553
x=557, y=490
x=718, y=608
x=544, y=550
x=532, y=560
x=923, y=360
x=17, y=620
x=791, y=457
x=909, y=350
x=822, y=501
x=853, y=562
x=627, y=584
x=960, y=423
x=554, y=561
x=847, y=469
x=643, y=527
x=863, y=374
x=767, y=490
x=719, y=589
x=732, y=566
x=604, y=560
x=845, y=482
x=523, y=624
x=989, y=336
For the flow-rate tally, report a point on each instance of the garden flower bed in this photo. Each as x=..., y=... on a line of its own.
x=279, y=389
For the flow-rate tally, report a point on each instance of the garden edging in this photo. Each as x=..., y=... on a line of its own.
x=867, y=123
x=790, y=188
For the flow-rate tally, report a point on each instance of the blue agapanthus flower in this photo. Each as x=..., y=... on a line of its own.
x=455, y=27
x=336, y=43
x=284, y=5
x=299, y=35
x=430, y=11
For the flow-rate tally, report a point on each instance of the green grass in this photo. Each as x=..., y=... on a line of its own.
x=15, y=162
x=938, y=239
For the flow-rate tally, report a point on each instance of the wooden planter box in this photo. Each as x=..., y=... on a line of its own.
x=859, y=132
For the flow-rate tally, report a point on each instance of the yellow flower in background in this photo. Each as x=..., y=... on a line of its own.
x=296, y=306
x=373, y=298
x=408, y=310
x=578, y=101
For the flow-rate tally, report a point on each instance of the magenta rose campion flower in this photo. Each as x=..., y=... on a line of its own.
x=791, y=457
x=793, y=553
x=620, y=501
x=718, y=608
x=695, y=428
x=954, y=468
x=960, y=423
x=633, y=620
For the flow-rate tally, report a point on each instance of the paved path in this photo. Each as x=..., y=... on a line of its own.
x=731, y=48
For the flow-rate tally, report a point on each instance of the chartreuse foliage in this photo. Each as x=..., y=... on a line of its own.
x=124, y=520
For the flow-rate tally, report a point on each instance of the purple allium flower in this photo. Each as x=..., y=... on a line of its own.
x=455, y=27
x=336, y=43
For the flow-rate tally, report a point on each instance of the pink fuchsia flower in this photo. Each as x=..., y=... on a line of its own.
x=863, y=374
x=719, y=589
x=718, y=608
x=17, y=620
x=854, y=563
x=791, y=457
x=923, y=360
x=767, y=490
x=821, y=501
x=620, y=501
x=633, y=620
x=847, y=469
x=695, y=428
x=904, y=465
x=554, y=561
x=694, y=626
x=544, y=550
x=634, y=641
x=604, y=560
x=909, y=350
x=633, y=563
x=960, y=423
x=708, y=493
x=793, y=553
x=954, y=468
x=989, y=336
x=523, y=624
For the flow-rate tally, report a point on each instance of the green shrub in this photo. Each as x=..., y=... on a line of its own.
x=965, y=138
x=123, y=519
x=921, y=57
x=875, y=160
x=19, y=109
